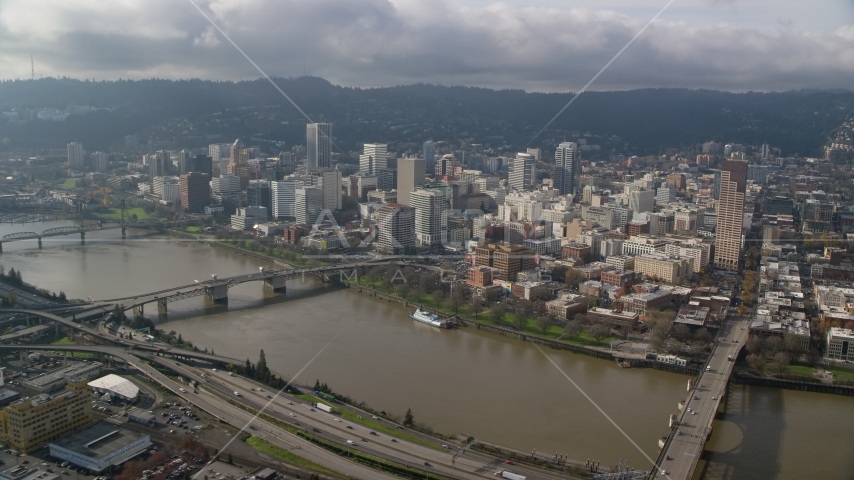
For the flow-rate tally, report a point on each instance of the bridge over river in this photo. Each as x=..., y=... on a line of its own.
x=683, y=448
x=78, y=229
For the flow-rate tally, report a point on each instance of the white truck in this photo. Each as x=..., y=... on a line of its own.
x=325, y=408
x=509, y=475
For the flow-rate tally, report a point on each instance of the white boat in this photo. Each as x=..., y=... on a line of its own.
x=431, y=319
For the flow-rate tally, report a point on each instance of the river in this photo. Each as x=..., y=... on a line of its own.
x=492, y=387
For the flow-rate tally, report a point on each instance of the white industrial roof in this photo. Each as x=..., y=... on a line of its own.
x=116, y=384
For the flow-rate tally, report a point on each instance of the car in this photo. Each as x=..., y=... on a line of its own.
x=337, y=419
x=350, y=442
x=291, y=414
x=374, y=433
x=315, y=430
x=445, y=446
x=509, y=462
x=171, y=431
x=393, y=440
x=427, y=464
x=349, y=427
x=364, y=439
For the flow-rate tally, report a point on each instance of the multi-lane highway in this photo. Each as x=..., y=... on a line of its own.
x=695, y=422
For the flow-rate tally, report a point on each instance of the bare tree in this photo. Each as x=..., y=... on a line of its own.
x=477, y=305
x=543, y=323
x=572, y=328
x=703, y=335
x=681, y=331
x=496, y=314
x=598, y=332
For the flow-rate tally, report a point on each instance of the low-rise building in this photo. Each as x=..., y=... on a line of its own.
x=564, y=309
x=613, y=318
x=839, y=344
x=116, y=386
x=621, y=279
x=529, y=290
x=100, y=446
x=693, y=317
x=621, y=262
x=56, y=379
x=665, y=267
x=641, y=303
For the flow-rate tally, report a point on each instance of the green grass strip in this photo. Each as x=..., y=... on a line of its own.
x=286, y=456
x=354, y=455
x=370, y=423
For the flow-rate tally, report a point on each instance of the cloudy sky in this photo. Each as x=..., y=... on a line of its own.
x=536, y=45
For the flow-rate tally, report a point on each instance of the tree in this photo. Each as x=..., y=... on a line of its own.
x=437, y=296
x=543, y=323
x=681, y=331
x=746, y=297
x=572, y=328
x=520, y=315
x=477, y=305
x=573, y=277
x=742, y=309
x=781, y=362
x=774, y=345
x=581, y=319
x=756, y=361
x=11, y=299
x=598, y=332
x=403, y=289
x=753, y=344
x=408, y=419
x=261, y=370
x=703, y=335
x=496, y=314
x=457, y=298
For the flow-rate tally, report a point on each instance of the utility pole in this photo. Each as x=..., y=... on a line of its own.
x=32, y=69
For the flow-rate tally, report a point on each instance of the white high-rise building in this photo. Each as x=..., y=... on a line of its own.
x=75, y=156
x=99, y=160
x=566, y=168
x=225, y=186
x=522, y=175
x=308, y=204
x=730, y=214
x=395, y=229
x=430, y=217
x=284, y=198
x=374, y=158
x=318, y=145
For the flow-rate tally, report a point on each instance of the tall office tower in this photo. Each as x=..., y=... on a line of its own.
x=642, y=200
x=75, y=156
x=99, y=161
x=716, y=186
x=387, y=179
x=307, y=202
x=429, y=149
x=395, y=229
x=159, y=164
x=283, y=197
x=258, y=194
x=318, y=145
x=220, y=155
x=444, y=166
x=200, y=163
x=566, y=168
x=410, y=175
x=225, y=186
x=730, y=214
x=521, y=175
x=183, y=158
x=328, y=181
x=195, y=192
x=374, y=158
x=430, y=218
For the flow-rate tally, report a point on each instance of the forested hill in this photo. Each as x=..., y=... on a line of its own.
x=646, y=121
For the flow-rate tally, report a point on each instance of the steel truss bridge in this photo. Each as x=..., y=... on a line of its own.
x=77, y=229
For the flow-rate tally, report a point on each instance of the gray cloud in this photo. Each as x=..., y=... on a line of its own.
x=378, y=42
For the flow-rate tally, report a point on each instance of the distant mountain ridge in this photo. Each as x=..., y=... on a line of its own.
x=648, y=120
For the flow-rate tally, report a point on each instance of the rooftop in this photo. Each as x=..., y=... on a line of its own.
x=99, y=440
x=116, y=384
x=841, y=333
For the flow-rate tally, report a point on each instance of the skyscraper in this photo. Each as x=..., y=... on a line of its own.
x=75, y=156
x=328, y=181
x=642, y=200
x=219, y=153
x=258, y=194
x=429, y=153
x=318, y=145
x=200, y=163
x=183, y=161
x=374, y=158
x=730, y=214
x=521, y=175
x=307, y=204
x=411, y=174
x=566, y=168
x=99, y=161
x=395, y=229
x=159, y=164
x=195, y=192
x=430, y=217
x=283, y=198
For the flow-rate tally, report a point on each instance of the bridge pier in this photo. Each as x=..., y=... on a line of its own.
x=217, y=293
x=161, y=306
x=1, y=247
x=124, y=232
x=277, y=284
x=40, y=242
x=82, y=237
x=139, y=310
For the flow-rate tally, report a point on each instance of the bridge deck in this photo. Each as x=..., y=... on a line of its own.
x=684, y=449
